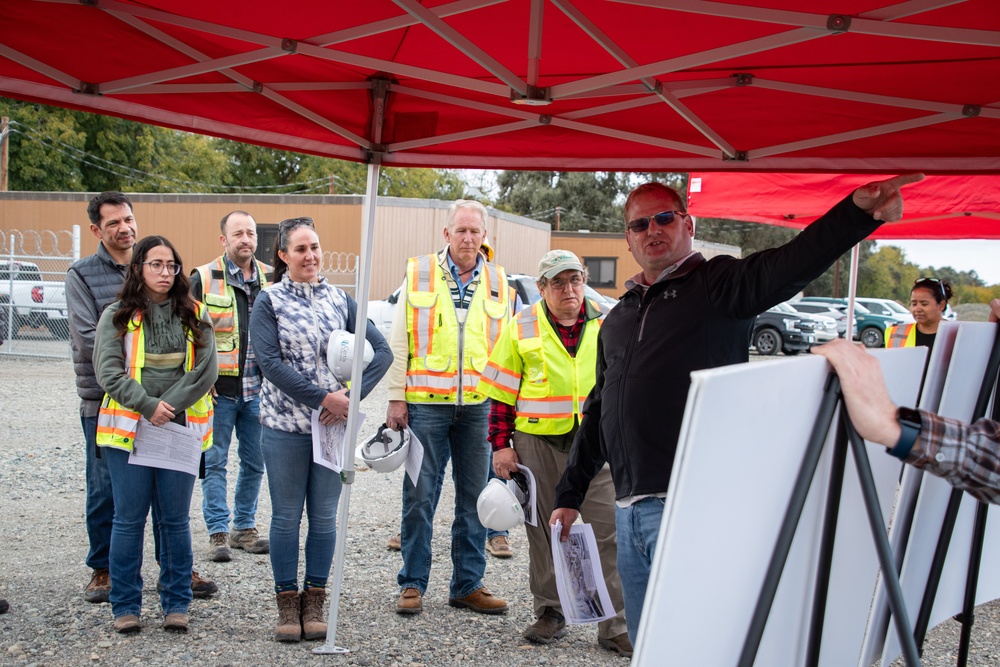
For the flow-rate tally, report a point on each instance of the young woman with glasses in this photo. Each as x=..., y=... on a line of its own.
x=290, y=327
x=155, y=357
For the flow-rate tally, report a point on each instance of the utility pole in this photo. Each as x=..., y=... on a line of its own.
x=332, y=186
x=558, y=212
x=4, y=133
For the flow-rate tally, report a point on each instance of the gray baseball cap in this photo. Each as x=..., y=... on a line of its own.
x=555, y=262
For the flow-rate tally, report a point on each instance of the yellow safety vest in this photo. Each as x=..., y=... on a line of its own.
x=901, y=335
x=442, y=363
x=116, y=424
x=531, y=369
x=220, y=299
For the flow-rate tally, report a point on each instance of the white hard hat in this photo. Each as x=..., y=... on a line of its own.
x=498, y=508
x=386, y=450
x=340, y=354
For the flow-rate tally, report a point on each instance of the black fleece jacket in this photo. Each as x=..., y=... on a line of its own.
x=698, y=317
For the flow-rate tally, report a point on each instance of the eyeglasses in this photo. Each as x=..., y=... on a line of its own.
x=662, y=219
x=560, y=284
x=159, y=267
x=933, y=284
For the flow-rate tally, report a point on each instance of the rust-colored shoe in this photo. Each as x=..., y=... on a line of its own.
x=499, y=546
x=410, y=602
x=480, y=601
x=618, y=644
x=127, y=624
x=176, y=622
x=289, y=627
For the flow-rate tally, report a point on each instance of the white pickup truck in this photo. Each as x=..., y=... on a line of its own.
x=27, y=300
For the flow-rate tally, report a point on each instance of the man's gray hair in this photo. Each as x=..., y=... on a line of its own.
x=465, y=203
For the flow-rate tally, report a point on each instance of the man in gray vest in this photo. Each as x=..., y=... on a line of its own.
x=228, y=286
x=92, y=284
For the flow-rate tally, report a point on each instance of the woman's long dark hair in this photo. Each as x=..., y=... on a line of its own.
x=285, y=227
x=133, y=293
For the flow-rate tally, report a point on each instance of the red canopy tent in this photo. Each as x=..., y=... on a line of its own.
x=533, y=84
x=642, y=85
x=939, y=207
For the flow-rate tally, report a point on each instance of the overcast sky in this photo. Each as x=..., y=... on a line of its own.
x=981, y=256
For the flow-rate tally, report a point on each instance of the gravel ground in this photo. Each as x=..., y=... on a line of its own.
x=43, y=573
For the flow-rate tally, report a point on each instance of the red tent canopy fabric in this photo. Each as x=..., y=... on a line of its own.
x=651, y=85
x=939, y=207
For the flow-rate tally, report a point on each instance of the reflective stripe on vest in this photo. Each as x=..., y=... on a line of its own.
x=117, y=424
x=432, y=373
x=220, y=299
x=901, y=336
x=549, y=392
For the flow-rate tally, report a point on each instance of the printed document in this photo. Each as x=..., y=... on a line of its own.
x=170, y=447
x=579, y=578
x=328, y=441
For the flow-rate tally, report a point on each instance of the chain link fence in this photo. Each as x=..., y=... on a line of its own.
x=33, y=265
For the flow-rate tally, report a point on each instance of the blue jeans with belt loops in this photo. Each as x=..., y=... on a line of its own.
x=459, y=433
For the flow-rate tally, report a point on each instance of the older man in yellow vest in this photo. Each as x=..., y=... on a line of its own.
x=451, y=310
x=538, y=376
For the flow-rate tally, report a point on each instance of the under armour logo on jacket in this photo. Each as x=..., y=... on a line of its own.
x=670, y=294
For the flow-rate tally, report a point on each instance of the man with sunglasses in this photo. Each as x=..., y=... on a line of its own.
x=684, y=313
x=228, y=286
x=538, y=375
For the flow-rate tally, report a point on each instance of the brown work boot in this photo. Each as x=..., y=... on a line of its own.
x=201, y=587
x=176, y=622
x=395, y=543
x=550, y=626
x=250, y=541
x=480, y=601
x=218, y=550
x=499, y=546
x=410, y=602
x=127, y=624
x=618, y=644
x=313, y=625
x=99, y=587
x=289, y=625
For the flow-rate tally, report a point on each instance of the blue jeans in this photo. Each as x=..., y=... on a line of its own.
x=100, y=502
x=136, y=489
x=242, y=415
x=638, y=527
x=294, y=482
x=458, y=432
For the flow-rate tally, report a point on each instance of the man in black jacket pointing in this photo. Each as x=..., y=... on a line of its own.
x=684, y=313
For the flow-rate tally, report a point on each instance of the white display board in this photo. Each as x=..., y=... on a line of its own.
x=961, y=388
x=741, y=446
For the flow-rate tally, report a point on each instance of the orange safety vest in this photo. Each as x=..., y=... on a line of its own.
x=220, y=299
x=901, y=335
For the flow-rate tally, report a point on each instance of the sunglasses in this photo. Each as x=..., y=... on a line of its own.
x=933, y=284
x=662, y=219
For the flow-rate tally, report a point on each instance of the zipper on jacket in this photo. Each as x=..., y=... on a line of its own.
x=640, y=318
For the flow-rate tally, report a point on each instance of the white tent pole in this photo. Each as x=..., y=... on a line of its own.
x=351, y=438
x=852, y=289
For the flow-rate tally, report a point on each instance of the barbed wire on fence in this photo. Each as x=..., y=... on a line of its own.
x=48, y=243
x=339, y=262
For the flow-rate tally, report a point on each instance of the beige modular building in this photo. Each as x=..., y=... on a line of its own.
x=403, y=228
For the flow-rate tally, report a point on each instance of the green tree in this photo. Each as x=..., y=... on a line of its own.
x=578, y=200
x=42, y=147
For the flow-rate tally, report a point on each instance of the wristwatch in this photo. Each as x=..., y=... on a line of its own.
x=909, y=423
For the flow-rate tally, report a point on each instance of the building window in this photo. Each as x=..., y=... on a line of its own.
x=267, y=238
x=602, y=271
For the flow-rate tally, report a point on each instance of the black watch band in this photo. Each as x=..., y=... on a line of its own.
x=909, y=424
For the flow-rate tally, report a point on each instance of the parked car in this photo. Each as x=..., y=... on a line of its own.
x=32, y=301
x=871, y=327
x=838, y=313
x=887, y=307
x=894, y=309
x=381, y=311
x=826, y=327
x=776, y=330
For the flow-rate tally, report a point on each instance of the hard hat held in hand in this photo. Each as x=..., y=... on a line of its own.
x=386, y=450
x=498, y=508
x=340, y=354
